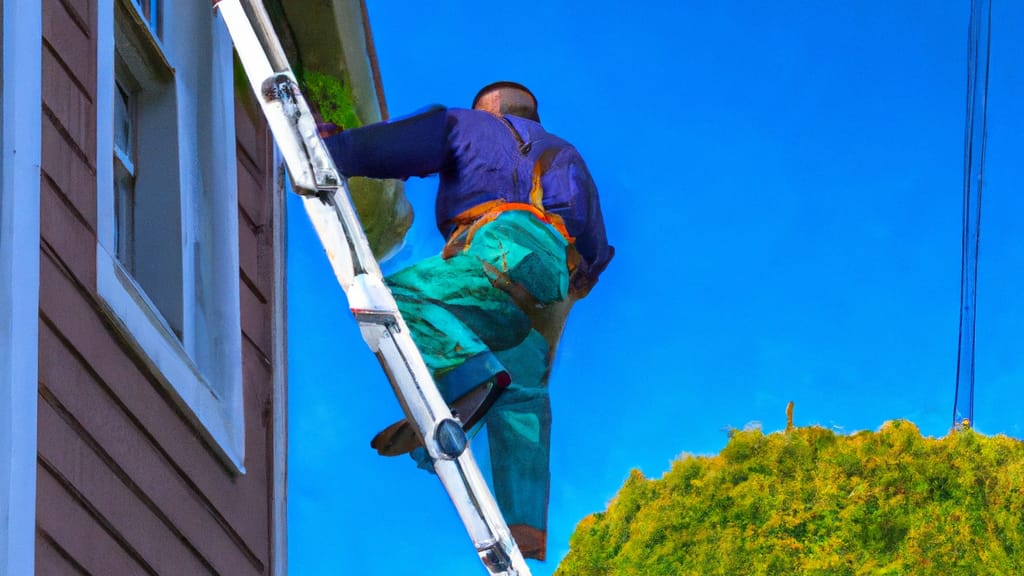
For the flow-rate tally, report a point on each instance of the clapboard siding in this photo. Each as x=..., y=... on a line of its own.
x=84, y=332
x=52, y=560
x=255, y=229
x=127, y=483
x=254, y=161
x=81, y=11
x=126, y=447
x=67, y=172
x=69, y=105
x=116, y=502
x=255, y=325
x=66, y=32
x=251, y=199
x=126, y=411
x=59, y=521
x=66, y=235
x=248, y=257
x=253, y=146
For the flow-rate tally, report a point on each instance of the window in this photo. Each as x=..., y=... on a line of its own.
x=147, y=176
x=167, y=251
x=124, y=172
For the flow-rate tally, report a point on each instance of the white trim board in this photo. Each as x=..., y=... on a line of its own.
x=279, y=329
x=19, y=280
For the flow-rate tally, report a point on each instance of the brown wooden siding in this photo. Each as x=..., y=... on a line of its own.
x=255, y=229
x=126, y=483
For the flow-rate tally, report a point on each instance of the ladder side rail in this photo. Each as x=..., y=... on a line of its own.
x=291, y=122
x=256, y=29
x=258, y=69
x=264, y=30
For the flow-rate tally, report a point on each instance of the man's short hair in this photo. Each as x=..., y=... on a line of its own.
x=511, y=108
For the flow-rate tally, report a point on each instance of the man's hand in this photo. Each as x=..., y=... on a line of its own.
x=328, y=129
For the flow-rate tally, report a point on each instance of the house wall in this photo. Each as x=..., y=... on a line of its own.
x=125, y=483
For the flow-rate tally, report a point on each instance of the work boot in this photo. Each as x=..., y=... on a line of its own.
x=532, y=542
x=400, y=437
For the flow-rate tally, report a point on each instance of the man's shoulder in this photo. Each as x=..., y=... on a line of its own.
x=480, y=117
x=474, y=122
x=471, y=115
x=466, y=121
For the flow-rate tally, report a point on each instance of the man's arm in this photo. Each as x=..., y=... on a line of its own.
x=593, y=247
x=414, y=145
x=582, y=214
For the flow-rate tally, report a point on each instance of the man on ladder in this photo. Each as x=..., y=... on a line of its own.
x=525, y=239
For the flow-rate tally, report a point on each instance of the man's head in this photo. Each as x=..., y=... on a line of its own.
x=507, y=98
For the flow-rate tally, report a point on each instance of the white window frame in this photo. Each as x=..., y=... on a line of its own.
x=21, y=104
x=203, y=369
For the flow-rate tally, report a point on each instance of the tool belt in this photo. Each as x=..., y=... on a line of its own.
x=470, y=221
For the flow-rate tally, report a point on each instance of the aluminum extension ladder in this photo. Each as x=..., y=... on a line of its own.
x=327, y=201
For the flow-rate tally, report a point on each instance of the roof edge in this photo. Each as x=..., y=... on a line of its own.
x=371, y=51
x=337, y=43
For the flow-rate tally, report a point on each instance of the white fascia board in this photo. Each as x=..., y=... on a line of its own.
x=348, y=15
x=19, y=281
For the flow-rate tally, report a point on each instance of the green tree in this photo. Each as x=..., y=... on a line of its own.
x=808, y=501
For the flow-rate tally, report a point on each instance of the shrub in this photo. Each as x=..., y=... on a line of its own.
x=808, y=501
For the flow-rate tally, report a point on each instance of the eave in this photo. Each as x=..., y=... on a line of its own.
x=333, y=37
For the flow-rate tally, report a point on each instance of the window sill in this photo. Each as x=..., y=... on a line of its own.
x=162, y=352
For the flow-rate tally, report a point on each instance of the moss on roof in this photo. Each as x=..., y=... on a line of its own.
x=808, y=501
x=332, y=97
x=383, y=209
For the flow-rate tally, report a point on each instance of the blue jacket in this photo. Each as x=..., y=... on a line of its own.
x=481, y=157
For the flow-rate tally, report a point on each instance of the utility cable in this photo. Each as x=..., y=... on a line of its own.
x=975, y=136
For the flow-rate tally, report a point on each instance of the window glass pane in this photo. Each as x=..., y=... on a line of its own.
x=145, y=184
x=124, y=175
x=123, y=132
x=124, y=202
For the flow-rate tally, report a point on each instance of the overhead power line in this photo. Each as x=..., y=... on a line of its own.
x=975, y=134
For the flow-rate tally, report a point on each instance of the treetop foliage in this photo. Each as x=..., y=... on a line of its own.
x=808, y=501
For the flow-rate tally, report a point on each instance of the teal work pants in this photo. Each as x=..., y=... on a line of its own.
x=466, y=315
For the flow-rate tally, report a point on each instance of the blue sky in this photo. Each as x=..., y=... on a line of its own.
x=783, y=185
